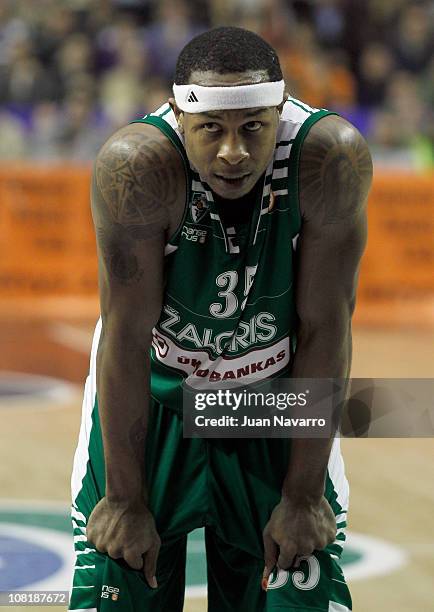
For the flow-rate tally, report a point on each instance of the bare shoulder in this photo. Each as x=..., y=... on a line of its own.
x=138, y=181
x=335, y=171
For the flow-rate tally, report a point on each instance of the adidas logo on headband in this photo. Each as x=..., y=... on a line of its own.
x=191, y=97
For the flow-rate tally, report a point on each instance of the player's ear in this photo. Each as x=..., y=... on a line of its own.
x=179, y=115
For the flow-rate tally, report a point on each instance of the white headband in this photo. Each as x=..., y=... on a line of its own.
x=198, y=99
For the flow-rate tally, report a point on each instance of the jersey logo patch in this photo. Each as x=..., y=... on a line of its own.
x=109, y=592
x=160, y=345
x=199, y=207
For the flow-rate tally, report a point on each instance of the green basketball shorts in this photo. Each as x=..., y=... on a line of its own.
x=230, y=487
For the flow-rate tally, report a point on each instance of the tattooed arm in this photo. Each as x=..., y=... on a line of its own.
x=335, y=177
x=138, y=196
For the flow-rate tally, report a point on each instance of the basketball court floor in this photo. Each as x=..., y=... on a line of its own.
x=390, y=560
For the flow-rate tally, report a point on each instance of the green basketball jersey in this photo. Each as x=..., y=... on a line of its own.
x=229, y=311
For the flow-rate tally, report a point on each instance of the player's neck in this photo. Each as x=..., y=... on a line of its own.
x=239, y=210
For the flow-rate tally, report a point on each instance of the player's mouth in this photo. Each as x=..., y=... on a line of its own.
x=233, y=182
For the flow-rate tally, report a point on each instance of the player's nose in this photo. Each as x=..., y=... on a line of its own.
x=233, y=152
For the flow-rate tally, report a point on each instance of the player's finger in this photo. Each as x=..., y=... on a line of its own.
x=135, y=561
x=150, y=565
x=100, y=546
x=304, y=551
x=331, y=534
x=322, y=542
x=270, y=556
x=286, y=556
x=113, y=552
x=93, y=536
x=297, y=560
x=302, y=555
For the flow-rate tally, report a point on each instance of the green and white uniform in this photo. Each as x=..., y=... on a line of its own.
x=228, y=314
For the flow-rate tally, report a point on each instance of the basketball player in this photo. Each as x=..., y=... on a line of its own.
x=199, y=209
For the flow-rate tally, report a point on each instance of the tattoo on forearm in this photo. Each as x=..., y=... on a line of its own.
x=336, y=171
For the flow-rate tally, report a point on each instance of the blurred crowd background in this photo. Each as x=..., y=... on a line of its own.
x=72, y=71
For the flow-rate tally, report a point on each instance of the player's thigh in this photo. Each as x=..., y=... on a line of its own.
x=104, y=584
x=176, y=471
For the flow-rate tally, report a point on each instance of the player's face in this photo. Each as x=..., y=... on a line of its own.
x=232, y=148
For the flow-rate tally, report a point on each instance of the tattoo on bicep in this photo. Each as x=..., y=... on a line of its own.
x=135, y=186
x=336, y=173
x=136, y=182
x=118, y=250
x=125, y=267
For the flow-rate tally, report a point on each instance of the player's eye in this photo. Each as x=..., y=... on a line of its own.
x=253, y=126
x=211, y=127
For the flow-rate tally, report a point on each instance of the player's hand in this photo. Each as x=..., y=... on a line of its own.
x=295, y=530
x=127, y=532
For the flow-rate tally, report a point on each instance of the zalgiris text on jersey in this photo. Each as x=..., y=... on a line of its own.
x=258, y=329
